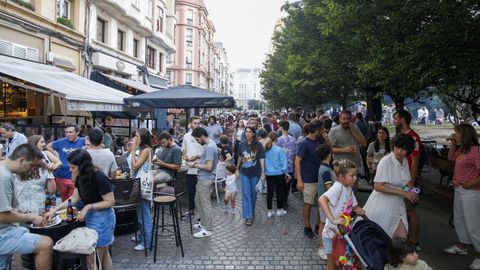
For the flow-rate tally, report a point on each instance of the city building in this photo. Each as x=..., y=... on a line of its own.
x=246, y=86
x=192, y=63
x=223, y=76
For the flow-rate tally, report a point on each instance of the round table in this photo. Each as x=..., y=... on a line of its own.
x=56, y=233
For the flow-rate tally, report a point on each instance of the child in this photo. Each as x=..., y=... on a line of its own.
x=326, y=178
x=402, y=255
x=230, y=188
x=337, y=200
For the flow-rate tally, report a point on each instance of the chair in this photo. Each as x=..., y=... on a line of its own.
x=128, y=196
x=178, y=190
x=220, y=176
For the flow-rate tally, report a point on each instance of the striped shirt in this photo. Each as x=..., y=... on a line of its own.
x=467, y=166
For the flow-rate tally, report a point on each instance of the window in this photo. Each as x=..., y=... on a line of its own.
x=189, y=37
x=135, y=47
x=188, y=59
x=121, y=40
x=188, y=78
x=150, y=9
x=160, y=62
x=63, y=8
x=150, y=57
x=159, y=19
x=189, y=16
x=101, y=27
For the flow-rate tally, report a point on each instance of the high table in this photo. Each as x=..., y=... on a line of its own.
x=56, y=233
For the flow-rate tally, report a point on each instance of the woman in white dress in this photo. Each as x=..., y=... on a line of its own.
x=385, y=205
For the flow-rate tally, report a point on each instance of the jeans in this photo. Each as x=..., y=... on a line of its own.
x=147, y=216
x=191, y=183
x=276, y=183
x=249, y=195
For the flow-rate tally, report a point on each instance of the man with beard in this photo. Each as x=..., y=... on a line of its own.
x=346, y=140
x=401, y=120
x=206, y=176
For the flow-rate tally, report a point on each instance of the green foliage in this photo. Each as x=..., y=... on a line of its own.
x=64, y=21
x=338, y=51
x=25, y=4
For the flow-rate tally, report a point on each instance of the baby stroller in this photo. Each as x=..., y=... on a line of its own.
x=367, y=244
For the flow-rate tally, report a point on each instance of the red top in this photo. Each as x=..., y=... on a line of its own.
x=467, y=166
x=416, y=150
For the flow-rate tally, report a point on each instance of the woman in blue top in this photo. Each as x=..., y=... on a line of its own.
x=250, y=169
x=277, y=173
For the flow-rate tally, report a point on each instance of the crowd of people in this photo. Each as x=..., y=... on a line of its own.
x=288, y=152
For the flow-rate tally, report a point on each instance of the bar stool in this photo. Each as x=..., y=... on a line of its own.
x=69, y=257
x=161, y=202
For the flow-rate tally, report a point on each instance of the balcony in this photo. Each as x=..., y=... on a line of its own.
x=124, y=12
x=164, y=40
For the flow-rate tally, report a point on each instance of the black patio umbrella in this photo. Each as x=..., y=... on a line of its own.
x=182, y=96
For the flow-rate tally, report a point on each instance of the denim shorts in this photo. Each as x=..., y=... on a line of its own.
x=327, y=245
x=16, y=240
x=103, y=222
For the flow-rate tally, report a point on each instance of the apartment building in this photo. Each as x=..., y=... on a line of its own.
x=192, y=62
x=247, y=86
x=223, y=78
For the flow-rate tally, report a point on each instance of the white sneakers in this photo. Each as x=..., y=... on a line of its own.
x=139, y=247
x=202, y=233
x=475, y=265
x=280, y=212
x=322, y=254
x=456, y=250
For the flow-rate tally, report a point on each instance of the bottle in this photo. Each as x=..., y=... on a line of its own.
x=48, y=203
x=69, y=211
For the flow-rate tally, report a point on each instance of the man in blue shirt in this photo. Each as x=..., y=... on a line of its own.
x=295, y=129
x=63, y=176
x=307, y=164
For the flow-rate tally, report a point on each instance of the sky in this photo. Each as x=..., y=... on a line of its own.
x=245, y=27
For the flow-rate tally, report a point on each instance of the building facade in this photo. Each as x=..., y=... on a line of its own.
x=247, y=86
x=223, y=78
x=192, y=63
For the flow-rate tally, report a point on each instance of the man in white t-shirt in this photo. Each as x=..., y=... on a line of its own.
x=102, y=157
x=191, y=151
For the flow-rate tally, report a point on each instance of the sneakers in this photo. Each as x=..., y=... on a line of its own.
x=475, y=265
x=202, y=233
x=134, y=239
x=456, y=250
x=187, y=214
x=309, y=233
x=139, y=247
x=198, y=227
x=232, y=211
x=248, y=222
x=322, y=254
x=270, y=213
x=281, y=212
x=225, y=210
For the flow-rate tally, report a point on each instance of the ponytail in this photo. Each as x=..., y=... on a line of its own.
x=272, y=137
x=341, y=166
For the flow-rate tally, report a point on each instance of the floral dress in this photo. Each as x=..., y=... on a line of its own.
x=31, y=193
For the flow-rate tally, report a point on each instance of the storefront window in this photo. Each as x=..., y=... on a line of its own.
x=16, y=102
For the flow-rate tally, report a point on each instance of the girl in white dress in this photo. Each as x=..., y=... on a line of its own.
x=386, y=204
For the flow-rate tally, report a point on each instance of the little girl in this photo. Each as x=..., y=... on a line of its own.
x=230, y=188
x=402, y=255
x=337, y=200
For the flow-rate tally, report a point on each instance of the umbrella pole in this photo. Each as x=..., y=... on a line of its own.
x=186, y=119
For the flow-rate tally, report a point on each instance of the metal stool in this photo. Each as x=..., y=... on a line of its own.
x=162, y=201
x=66, y=256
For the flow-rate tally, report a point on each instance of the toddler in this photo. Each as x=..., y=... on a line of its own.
x=230, y=188
x=337, y=200
x=402, y=255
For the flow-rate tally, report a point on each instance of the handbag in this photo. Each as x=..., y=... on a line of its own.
x=339, y=248
x=261, y=186
x=79, y=241
x=145, y=173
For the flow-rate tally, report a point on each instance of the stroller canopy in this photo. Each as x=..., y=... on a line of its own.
x=371, y=242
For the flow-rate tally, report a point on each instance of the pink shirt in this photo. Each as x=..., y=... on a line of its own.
x=467, y=166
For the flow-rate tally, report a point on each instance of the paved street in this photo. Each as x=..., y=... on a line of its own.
x=278, y=243
x=275, y=243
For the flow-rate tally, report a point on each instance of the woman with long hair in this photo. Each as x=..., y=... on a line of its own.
x=466, y=201
x=378, y=149
x=143, y=143
x=93, y=188
x=276, y=170
x=250, y=168
x=237, y=137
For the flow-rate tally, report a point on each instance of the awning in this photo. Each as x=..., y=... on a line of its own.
x=157, y=82
x=182, y=96
x=99, y=77
x=81, y=94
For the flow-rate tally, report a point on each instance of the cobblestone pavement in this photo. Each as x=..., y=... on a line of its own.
x=270, y=243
